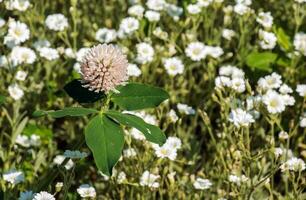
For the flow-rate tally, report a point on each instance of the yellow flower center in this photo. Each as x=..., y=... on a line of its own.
x=273, y=103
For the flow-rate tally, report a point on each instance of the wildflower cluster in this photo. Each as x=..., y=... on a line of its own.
x=233, y=125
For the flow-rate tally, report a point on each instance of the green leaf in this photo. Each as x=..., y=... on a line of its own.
x=39, y=113
x=135, y=96
x=283, y=39
x=2, y=99
x=72, y=111
x=151, y=132
x=20, y=128
x=283, y=62
x=41, y=131
x=105, y=138
x=261, y=61
x=82, y=95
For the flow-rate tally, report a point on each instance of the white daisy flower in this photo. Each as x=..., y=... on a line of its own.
x=56, y=22
x=136, y=11
x=196, y=51
x=228, y=34
x=184, y=108
x=158, y=32
x=148, y=179
x=86, y=191
x=133, y=70
x=174, y=142
x=283, y=135
x=18, y=31
x=289, y=100
x=238, y=84
x=301, y=89
x=265, y=19
x=41, y=43
x=273, y=81
x=194, y=9
x=23, y=140
x=174, y=11
x=244, y=2
x=226, y=70
x=285, y=89
x=293, y=164
x=237, y=73
x=145, y=53
x=278, y=152
x=214, y=52
x=43, y=196
x=21, y=75
x=152, y=16
x=165, y=151
x=303, y=122
x=156, y=4
x=223, y=81
x=202, y=184
x=267, y=39
x=105, y=35
x=59, y=159
x=15, y=92
x=48, y=53
x=275, y=102
x=22, y=55
x=204, y=3
x=20, y=5
x=241, y=118
x=174, y=66
x=121, y=178
x=13, y=176
x=172, y=115
x=129, y=25
x=242, y=9
x=300, y=43
x=237, y=179
x=129, y=153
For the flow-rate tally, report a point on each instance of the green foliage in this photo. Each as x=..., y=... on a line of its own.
x=151, y=132
x=72, y=111
x=261, y=61
x=283, y=39
x=103, y=135
x=283, y=62
x=212, y=147
x=41, y=131
x=2, y=99
x=105, y=138
x=135, y=96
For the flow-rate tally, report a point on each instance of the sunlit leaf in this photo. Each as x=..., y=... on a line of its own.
x=151, y=132
x=105, y=138
x=283, y=39
x=135, y=96
x=262, y=61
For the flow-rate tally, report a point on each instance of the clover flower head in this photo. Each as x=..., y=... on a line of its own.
x=103, y=68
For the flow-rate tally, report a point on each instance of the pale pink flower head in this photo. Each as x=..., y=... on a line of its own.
x=103, y=68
